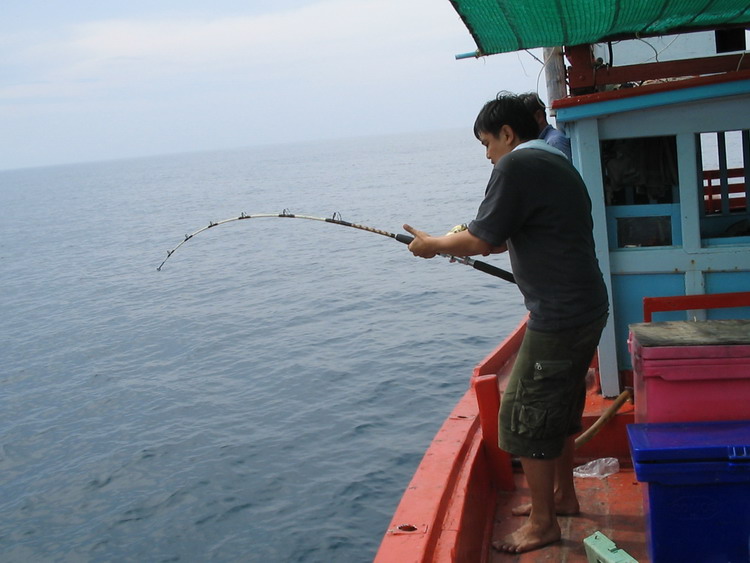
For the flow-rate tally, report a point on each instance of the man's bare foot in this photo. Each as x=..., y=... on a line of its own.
x=528, y=538
x=569, y=508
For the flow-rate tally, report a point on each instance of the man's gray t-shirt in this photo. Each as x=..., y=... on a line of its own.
x=537, y=202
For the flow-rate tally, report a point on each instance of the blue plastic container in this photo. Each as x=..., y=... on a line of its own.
x=697, y=499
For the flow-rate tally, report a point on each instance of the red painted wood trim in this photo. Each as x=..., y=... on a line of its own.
x=504, y=353
x=488, y=400
x=690, y=302
x=446, y=512
x=440, y=491
x=573, y=101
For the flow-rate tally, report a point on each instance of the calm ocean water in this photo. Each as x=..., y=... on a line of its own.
x=266, y=396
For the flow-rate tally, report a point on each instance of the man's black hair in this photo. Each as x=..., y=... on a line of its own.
x=506, y=109
x=532, y=101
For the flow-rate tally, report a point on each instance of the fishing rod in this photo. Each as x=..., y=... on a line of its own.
x=337, y=220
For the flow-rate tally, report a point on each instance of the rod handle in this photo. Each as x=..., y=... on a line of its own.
x=406, y=239
x=493, y=271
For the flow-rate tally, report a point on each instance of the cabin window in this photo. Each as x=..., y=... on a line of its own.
x=633, y=232
x=641, y=191
x=723, y=159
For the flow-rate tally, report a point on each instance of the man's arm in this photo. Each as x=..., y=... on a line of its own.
x=462, y=243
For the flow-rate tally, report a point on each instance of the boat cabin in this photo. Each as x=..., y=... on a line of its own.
x=666, y=162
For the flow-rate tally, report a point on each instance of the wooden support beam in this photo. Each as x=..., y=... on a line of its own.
x=586, y=75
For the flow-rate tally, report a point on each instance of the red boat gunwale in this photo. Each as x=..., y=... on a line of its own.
x=446, y=513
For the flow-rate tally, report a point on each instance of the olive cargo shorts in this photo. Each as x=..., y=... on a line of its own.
x=546, y=393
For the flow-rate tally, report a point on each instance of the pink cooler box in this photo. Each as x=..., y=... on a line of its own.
x=691, y=371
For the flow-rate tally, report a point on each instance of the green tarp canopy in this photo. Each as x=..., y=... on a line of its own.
x=501, y=26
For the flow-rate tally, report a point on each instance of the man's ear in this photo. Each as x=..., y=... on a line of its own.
x=507, y=135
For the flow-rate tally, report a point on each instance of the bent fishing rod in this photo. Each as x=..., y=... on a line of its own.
x=337, y=220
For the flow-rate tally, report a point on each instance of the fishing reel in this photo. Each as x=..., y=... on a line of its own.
x=457, y=229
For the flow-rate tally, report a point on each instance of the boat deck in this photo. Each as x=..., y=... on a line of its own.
x=612, y=506
x=456, y=504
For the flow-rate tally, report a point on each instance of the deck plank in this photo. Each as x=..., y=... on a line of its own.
x=612, y=506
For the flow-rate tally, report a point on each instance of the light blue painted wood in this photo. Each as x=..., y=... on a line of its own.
x=587, y=158
x=671, y=259
x=629, y=291
x=656, y=100
x=691, y=265
x=691, y=191
x=728, y=282
x=695, y=284
x=726, y=241
x=670, y=210
x=728, y=114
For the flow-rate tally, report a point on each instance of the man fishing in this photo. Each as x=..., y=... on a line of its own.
x=536, y=207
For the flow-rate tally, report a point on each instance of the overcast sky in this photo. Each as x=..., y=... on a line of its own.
x=87, y=80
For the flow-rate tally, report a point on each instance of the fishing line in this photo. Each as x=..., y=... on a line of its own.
x=337, y=220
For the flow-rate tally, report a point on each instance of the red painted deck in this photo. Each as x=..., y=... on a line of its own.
x=612, y=506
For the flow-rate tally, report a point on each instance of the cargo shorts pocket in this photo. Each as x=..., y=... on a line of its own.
x=543, y=402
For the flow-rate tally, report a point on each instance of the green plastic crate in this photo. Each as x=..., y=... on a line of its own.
x=601, y=549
